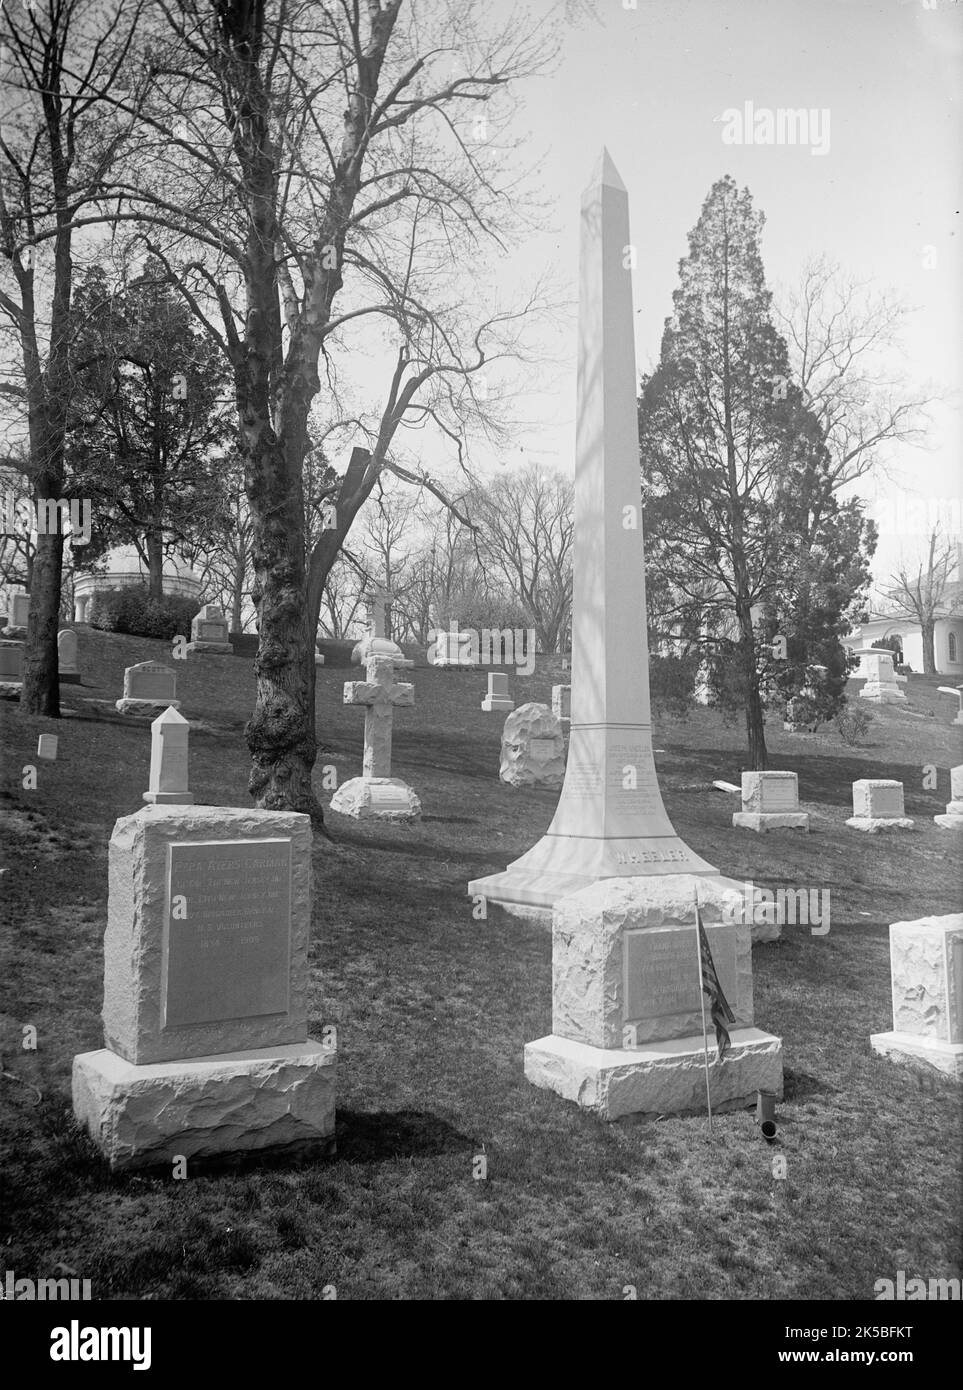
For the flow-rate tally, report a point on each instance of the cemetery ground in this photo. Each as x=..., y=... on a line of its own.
x=433, y=1008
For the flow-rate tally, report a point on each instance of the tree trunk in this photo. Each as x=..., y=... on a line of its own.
x=41, y=683
x=929, y=646
x=237, y=594
x=155, y=564
x=755, y=716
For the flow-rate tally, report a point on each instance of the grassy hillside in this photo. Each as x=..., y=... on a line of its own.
x=433, y=1010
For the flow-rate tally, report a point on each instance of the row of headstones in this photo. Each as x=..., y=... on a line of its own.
x=770, y=801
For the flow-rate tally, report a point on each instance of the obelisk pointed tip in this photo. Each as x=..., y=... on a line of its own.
x=605, y=173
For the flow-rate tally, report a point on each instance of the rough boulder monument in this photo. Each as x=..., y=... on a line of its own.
x=618, y=881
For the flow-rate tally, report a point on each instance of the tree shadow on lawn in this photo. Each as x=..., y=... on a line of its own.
x=386, y=1135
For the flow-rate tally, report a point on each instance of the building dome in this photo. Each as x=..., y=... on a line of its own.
x=125, y=567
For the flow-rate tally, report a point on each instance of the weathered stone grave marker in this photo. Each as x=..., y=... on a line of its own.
x=206, y=989
x=926, y=970
x=210, y=632
x=149, y=689
x=533, y=748
x=770, y=801
x=878, y=805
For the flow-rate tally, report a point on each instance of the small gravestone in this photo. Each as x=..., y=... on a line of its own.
x=958, y=692
x=376, y=794
x=149, y=689
x=67, y=657
x=167, y=785
x=11, y=669
x=626, y=1005
x=533, y=748
x=878, y=805
x=953, y=820
x=926, y=969
x=770, y=801
x=18, y=612
x=498, y=697
x=47, y=746
x=562, y=703
x=881, y=685
x=206, y=988
x=209, y=632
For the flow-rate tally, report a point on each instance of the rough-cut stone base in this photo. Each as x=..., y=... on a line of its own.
x=873, y=824
x=490, y=705
x=761, y=821
x=10, y=690
x=377, y=798
x=145, y=709
x=659, y=1078
x=950, y=821
x=274, y=1099
x=217, y=648
x=927, y=1054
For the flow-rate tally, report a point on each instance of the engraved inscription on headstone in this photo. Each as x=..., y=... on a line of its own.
x=662, y=970
x=229, y=955
x=886, y=801
x=542, y=747
x=779, y=794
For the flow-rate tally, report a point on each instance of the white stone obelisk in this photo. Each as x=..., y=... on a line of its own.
x=610, y=821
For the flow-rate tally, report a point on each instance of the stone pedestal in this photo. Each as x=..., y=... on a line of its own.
x=878, y=805
x=377, y=798
x=276, y=1099
x=926, y=968
x=770, y=801
x=626, y=1016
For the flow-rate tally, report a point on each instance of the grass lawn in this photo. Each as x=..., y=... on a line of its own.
x=433, y=1009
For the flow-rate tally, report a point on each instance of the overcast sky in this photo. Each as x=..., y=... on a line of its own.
x=883, y=198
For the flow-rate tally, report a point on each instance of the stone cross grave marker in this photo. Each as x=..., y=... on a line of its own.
x=380, y=695
x=376, y=793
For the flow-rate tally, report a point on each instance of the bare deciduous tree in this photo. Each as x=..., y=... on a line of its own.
x=921, y=589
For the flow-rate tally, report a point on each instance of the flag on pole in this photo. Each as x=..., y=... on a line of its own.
x=718, y=1004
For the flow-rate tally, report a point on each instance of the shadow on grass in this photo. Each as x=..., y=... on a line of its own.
x=383, y=1136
